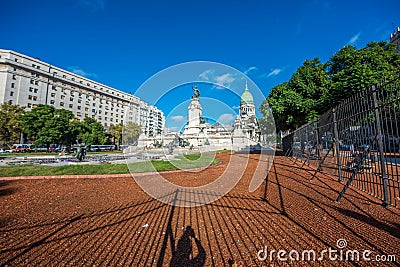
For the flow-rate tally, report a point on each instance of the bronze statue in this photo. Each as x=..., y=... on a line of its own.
x=196, y=92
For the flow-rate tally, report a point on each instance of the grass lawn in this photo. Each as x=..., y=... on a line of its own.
x=181, y=162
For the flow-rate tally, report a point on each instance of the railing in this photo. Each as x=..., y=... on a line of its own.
x=358, y=142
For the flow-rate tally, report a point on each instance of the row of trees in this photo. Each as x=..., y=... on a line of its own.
x=46, y=125
x=317, y=87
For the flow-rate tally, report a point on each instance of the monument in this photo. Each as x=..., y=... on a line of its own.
x=195, y=117
x=199, y=134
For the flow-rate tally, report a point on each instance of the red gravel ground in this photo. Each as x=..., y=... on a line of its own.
x=112, y=222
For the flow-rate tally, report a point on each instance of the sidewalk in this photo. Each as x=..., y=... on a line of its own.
x=109, y=222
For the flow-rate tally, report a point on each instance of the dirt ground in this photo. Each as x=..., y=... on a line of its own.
x=113, y=222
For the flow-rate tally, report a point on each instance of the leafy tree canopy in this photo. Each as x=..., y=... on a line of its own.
x=47, y=125
x=316, y=87
x=10, y=122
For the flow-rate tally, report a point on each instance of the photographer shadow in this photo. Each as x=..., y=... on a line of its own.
x=183, y=254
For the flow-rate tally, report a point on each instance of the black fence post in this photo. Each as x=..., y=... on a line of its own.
x=337, y=147
x=317, y=144
x=380, y=147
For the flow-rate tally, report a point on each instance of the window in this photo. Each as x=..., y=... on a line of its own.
x=30, y=97
x=15, y=69
x=64, y=76
x=86, y=115
x=73, y=79
x=10, y=102
x=78, y=114
x=79, y=107
x=71, y=106
x=100, y=111
x=61, y=104
x=29, y=105
x=53, y=94
x=14, y=77
x=32, y=81
x=93, y=110
x=79, y=100
x=11, y=93
x=16, y=59
x=71, y=99
x=35, y=90
x=86, y=109
x=94, y=104
x=13, y=85
x=36, y=82
x=93, y=116
x=63, y=97
x=52, y=102
x=34, y=98
x=106, y=113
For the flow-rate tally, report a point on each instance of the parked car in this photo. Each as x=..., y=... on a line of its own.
x=39, y=148
x=20, y=148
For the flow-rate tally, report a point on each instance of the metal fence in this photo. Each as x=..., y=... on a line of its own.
x=358, y=142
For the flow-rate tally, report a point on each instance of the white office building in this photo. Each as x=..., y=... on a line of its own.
x=27, y=82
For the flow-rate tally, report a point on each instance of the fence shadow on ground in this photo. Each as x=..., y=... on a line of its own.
x=289, y=212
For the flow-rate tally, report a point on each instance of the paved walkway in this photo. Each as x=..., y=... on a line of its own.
x=110, y=222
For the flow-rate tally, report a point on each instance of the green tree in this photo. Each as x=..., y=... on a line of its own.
x=91, y=132
x=315, y=87
x=301, y=99
x=10, y=123
x=115, y=131
x=131, y=132
x=47, y=124
x=352, y=70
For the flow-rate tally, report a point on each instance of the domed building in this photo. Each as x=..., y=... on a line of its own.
x=246, y=131
x=200, y=134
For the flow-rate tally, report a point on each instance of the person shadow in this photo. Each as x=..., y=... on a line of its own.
x=183, y=256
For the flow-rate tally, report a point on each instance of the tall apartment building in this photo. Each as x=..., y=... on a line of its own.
x=27, y=82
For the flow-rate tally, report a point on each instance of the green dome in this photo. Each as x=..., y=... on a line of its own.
x=247, y=97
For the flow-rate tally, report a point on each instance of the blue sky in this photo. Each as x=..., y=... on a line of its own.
x=124, y=43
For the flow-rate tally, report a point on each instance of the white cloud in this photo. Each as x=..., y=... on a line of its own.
x=274, y=72
x=206, y=75
x=220, y=82
x=81, y=72
x=235, y=107
x=173, y=128
x=226, y=118
x=224, y=80
x=178, y=118
x=252, y=68
x=354, y=38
